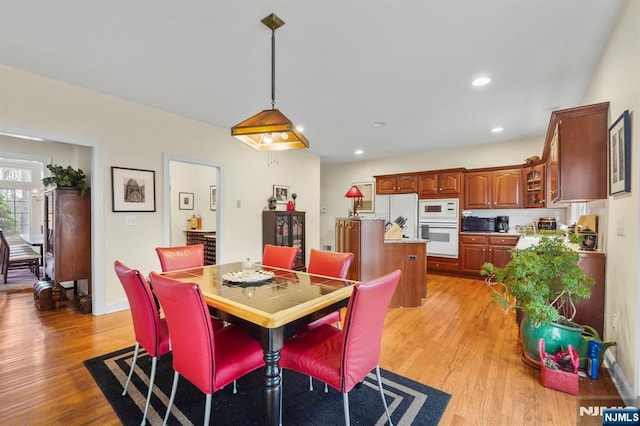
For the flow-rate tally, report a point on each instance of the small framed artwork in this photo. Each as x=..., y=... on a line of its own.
x=366, y=203
x=185, y=200
x=213, y=199
x=281, y=194
x=133, y=190
x=620, y=155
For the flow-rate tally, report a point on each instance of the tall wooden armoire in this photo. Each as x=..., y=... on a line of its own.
x=67, y=242
x=365, y=239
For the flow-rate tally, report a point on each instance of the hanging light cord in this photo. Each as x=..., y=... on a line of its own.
x=273, y=69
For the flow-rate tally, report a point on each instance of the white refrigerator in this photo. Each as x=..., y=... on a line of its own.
x=390, y=207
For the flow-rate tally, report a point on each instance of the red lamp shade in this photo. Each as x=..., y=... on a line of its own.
x=354, y=193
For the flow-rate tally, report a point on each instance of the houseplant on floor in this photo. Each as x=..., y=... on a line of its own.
x=542, y=281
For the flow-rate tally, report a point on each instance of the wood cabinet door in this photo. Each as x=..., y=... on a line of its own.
x=449, y=182
x=477, y=190
x=507, y=189
x=553, y=168
x=473, y=256
x=499, y=255
x=407, y=184
x=428, y=184
x=386, y=185
x=534, y=186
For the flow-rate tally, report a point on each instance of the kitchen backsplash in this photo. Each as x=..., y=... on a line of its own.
x=523, y=217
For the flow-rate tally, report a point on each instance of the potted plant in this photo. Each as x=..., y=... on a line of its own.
x=542, y=282
x=66, y=178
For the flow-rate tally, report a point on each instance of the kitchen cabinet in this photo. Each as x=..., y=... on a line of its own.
x=410, y=258
x=493, y=189
x=476, y=249
x=534, y=186
x=365, y=239
x=576, y=154
x=396, y=184
x=285, y=228
x=442, y=264
x=441, y=184
x=67, y=242
x=591, y=311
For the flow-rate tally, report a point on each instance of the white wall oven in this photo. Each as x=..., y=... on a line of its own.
x=438, y=223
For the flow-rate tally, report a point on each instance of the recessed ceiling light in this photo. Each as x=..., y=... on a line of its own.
x=358, y=152
x=379, y=124
x=481, y=81
x=497, y=129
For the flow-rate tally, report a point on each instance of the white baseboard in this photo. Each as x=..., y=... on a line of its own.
x=620, y=381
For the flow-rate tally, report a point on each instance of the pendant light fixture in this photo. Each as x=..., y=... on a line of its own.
x=270, y=130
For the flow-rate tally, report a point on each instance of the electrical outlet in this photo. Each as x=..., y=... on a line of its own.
x=614, y=322
x=130, y=220
x=238, y=203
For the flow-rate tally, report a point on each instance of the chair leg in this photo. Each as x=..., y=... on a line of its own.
x=310, y=383
x=133, y=364
x=207, y=410
x=235, y=387
x=345, y=404
x=152, y=377
x=176, y=376
x=384, y=401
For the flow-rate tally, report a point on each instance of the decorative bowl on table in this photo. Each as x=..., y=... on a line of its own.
x=248, y=277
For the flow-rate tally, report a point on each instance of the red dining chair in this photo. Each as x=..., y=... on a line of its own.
x=279, y=256
x=184, y=257
x=181, y=257
x=210, y=360
x=150, y=330
x=343, y=358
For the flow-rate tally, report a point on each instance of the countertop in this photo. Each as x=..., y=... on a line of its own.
x=527, y=241
x=406, y=240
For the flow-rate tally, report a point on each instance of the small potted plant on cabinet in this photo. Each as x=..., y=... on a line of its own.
x=66, y=177
x=542, y=282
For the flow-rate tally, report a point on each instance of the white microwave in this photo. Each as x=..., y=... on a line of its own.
x=445, y=210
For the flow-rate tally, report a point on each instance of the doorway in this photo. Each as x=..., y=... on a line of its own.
x=192, y=187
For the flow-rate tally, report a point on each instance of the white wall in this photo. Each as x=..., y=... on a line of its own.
x=617, y=80
x=336, y=179
x=124, y=134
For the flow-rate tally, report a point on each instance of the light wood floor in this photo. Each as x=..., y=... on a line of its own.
x=457, y=342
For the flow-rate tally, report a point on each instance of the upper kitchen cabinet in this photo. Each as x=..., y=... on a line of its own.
x=534, y=186
x=576, y=154
x=493, y=189
x=440, y=183
x=396, y=184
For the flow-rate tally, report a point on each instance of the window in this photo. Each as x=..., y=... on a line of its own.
x=19, y=179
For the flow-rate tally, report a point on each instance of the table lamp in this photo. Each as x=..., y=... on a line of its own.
x=354, y=193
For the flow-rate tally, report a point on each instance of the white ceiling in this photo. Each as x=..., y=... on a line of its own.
x=341, y=65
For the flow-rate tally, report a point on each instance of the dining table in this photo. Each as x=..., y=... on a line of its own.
x=35, y=240
x=272, y=304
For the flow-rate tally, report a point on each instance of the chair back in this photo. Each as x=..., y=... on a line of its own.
x=181, y=257
x=279, y=256
x=192, y=341
x=364, y=322
x=144, y=314
x=329, y=263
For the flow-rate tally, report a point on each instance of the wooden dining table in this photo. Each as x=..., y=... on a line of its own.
x=271, y=311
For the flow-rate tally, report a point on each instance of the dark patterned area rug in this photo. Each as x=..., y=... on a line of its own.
x=410, y=402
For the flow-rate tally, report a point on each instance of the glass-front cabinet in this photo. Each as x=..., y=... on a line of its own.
x=285, y=228
x=534, y=186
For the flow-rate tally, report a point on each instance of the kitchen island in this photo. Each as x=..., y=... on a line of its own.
x=375, y=256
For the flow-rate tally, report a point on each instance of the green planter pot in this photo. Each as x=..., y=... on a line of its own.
x=556, y=337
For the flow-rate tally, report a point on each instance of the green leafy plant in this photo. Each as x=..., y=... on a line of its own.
x=543, y=281
x=66, y=178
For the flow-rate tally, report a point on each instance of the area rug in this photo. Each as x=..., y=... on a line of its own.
x=410, y=402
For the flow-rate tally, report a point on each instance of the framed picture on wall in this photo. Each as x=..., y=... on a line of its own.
x=281, y=194
x=185, y=200
x=133, y=190
x=620, y=155
x=366, y=203
x=213, y=198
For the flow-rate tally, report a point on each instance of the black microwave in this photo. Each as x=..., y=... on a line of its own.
x=478, y=224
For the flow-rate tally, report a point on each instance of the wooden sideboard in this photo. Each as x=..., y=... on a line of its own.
x=208, y=239
x=365, y=239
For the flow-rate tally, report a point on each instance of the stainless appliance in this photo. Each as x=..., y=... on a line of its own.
x=438, y=221
x=502, y=223
x=478, y=224
x=547, y=224
x=401, y=208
